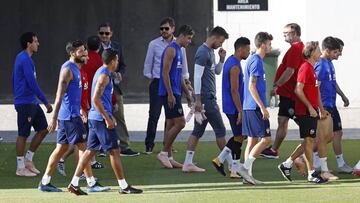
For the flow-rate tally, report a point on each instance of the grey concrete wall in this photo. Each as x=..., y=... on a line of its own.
x=135, y=23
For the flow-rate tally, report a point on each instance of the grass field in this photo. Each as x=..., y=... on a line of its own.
x=164, y=185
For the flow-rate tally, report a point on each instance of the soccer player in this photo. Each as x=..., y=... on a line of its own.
x=171, y=84
x=284, y=85
x=255, y=118
x=71, y=129
x=102, y=126
x=205, y=95
x=29, y=113
x=307, y=107
x=232, y=99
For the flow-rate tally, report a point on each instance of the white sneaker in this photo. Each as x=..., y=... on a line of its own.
x=30, y=165
x=25, y=172
x=164, y=160
x=346, y=169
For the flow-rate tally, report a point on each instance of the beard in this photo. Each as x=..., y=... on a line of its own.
x=79, y=60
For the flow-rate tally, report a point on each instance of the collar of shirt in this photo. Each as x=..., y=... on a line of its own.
x=106, y=46
x=163, y=40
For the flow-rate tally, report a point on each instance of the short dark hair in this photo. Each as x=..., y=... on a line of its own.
x=295, y=27
x=261, y=38
x=241, y=42
x=218, y=32
x=72, y=46
x=106, y=24
x=186, y=30
x=330, y=43
x=108, y=55
x=339, y=41
x=25, y=38
x=309, y=48
x=169, y=20
x=93, y=43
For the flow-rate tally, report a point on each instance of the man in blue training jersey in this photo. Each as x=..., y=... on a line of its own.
x=255, y=121
x=232, y=99
x=71, y=129
x=102, y=124
x=171, y=84
x=29, y=113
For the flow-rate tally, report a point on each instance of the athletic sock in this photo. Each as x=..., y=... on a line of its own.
x=248, y=162
x=189, y=157
x=310, y=174
x=340, y=160
x=45, y=179
x=235, y=165
x=75, y=181
x=223, y=154
x=323, y=164
x=288, y=163
x=91, y=181
x=20, y=162
x=316, y=161
x=29, y=155
x=123, y=184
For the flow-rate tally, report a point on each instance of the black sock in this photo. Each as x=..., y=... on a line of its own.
x=235, y=148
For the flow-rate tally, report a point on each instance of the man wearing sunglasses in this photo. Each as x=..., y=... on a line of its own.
x=105, y=33
x=152, y=72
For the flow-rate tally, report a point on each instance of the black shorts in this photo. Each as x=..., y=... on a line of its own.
x=30, y=115
x=176, y=111
x=307, y=125
x=286, y=107
x=337, y=126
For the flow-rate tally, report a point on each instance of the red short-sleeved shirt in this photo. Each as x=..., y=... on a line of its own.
x=94, y=63
x=292, y=59
x=307, y=76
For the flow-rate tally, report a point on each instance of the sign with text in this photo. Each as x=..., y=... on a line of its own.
x=242, y=5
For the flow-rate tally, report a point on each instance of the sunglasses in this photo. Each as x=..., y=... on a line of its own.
x=164, y=28
x=104, y=33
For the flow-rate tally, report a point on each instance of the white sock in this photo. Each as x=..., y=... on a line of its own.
x=229, y=159
x=164, y=153
x=29, y=155
x=235, y=166
x=340, y=160
x=248, y=162
x=323, y=164
x=75, y=181
x=223, y=154
x=20, y=162
x=250, y=169
x=189, y=157
x=310, y=174
x=62, y=160
x=123, y=184
x=171, y=158
x=91, y=181
x=45, y=179
x=288, y=163
x=316, y=161
x=93, y=160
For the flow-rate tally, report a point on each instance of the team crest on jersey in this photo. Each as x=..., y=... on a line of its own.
x=267, y=130
x=180, y=111
x=84, y=136
x=29, y=119
x=291, y=111
x=312, y=131
x=317, y=83
x=86, y=86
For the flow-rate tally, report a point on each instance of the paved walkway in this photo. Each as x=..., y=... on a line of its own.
x=136, y=116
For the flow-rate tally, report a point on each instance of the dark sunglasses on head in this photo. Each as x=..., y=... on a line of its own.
x=164, y=28
x=104, y=33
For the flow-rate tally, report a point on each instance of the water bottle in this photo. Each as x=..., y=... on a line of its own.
x=272, y=102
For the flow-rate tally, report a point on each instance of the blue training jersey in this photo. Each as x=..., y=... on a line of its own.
x=70, y=105
x=175, y=71
x=227, y=101
x=325, y=73
x=105, y=99
x=25, y=86
x=254, y=68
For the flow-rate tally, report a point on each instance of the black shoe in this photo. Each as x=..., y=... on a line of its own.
x=129, y=152
x=76, y=190
x=97, y=165
x=286, y=172
x=316, y=178
x=219, y=166
x=130, y=190
x=101, y=154
x=48, y=188
x=148, y=150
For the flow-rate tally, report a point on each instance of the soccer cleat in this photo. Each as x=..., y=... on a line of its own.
x=164, y=160
x=189, y=168
x=97, y=188
x=97, y=165
x=76, y=190
x=148, y=150
x=326, y=175
x=175, y=164
x=130, y=190
x=300, y=165
x=48, y=188
x=246, y=176
x=285, y=172
x=257, y=182
x=270, y=153
x=129, y=152
x=346, y=169
x=356, y=172
x=60, y=167
x=235, y=175
x=316, y=178
x=219, y=166
x=25, y=172
x=30, y=165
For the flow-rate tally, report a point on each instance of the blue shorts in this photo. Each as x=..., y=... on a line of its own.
x=175, y=112
x=71, y=131
x=100, y=136
x=337, y=126
x=30, y=115
x=236, y=129
x=213, y=115
x=253, y=124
